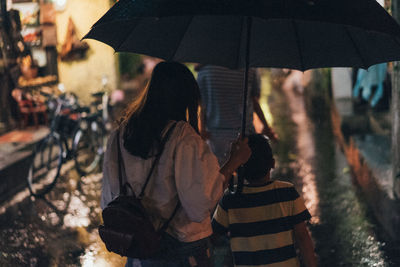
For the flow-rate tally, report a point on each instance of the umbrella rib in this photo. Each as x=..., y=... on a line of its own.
x=126, y=37
x=395, y=39
x=181, y=38
x=355, y=46
x=296, y=31
x=239, y=45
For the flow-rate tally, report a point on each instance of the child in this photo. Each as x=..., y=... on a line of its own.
x=266, y=219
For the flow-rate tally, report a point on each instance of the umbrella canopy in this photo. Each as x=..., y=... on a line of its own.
x=296, y=34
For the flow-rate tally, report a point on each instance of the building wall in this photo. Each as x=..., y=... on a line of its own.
x=395, y=108
x=83, y=77
x=341, y=82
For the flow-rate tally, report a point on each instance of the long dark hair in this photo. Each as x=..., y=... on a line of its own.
x=172, y=94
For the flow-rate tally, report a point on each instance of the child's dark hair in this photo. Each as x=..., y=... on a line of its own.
x=261, y=160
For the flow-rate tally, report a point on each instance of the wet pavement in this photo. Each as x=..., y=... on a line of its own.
x=344, y=231
x=61, y=230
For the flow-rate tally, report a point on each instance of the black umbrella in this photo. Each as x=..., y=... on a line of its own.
x=295, y=34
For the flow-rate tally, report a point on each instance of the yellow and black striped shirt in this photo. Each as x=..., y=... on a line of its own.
x=260, y=222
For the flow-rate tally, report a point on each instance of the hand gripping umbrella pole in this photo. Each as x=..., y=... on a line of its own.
x=240, y=179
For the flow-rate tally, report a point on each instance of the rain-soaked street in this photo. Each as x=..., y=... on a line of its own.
x=343, y=229
x=61, y=230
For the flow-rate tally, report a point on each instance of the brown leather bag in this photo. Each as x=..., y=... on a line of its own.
x=127, y=229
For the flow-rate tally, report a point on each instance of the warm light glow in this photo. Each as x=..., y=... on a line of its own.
x=305, y=142
x=266, y=91
x=60, y=4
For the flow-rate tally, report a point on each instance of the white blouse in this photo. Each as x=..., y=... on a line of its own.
x=187, y=169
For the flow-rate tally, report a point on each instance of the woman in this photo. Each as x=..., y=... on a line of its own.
x=187, y=172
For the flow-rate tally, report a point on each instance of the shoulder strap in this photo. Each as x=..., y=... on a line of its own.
x=121, y=166
x=158, y=156
x=165, y=225
x=157, y=159
x=122, y=189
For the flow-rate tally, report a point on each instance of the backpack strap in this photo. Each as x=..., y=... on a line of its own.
x=121, y=167
x=157, y=159
x=165, y=225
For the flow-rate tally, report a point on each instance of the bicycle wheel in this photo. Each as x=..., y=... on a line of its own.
x=45, y=166
x=88, y=147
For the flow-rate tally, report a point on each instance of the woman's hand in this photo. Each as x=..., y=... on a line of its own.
x=240, y=151
x=240, y=154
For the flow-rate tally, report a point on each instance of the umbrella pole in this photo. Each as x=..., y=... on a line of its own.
x=249, y=22
x=240, y=178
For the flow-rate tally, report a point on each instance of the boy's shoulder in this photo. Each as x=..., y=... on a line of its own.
x=274, y=184
x=229, y=199
x=256, y=193
x=286, y=188
x=282, y=184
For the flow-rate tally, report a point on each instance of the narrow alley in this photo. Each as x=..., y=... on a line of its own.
x=344, y=230
x=61, y=229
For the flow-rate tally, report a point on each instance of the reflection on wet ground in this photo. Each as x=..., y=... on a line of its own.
x=61, y=230
x=344, y=232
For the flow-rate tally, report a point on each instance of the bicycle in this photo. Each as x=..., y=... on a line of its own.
x=93, y=132
x=89, y=145
x=68, y=121
x=102, y=105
